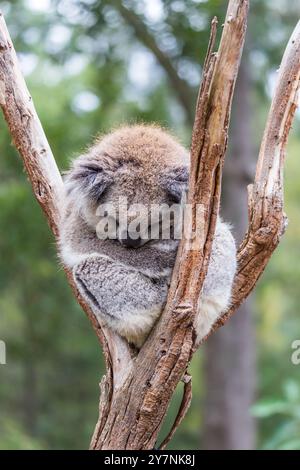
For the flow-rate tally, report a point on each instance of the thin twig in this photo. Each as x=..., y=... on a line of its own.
x=184, y=406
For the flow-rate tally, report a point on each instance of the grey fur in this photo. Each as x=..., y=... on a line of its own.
x=127, y=287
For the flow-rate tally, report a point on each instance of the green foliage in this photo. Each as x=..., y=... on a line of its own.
x=13, y=437
x=287, y=431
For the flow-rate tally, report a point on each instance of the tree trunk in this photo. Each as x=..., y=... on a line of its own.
x=229, y=354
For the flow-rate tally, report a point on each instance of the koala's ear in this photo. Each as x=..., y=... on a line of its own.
x=175, y=182
x=87, y=177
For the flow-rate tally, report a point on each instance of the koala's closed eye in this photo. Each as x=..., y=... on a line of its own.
x=174, y=194
x=175, y=182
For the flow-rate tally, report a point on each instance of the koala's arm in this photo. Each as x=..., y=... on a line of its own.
x=217, y=286
x=126, y=300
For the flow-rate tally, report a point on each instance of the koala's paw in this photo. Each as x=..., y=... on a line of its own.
x=121, y=297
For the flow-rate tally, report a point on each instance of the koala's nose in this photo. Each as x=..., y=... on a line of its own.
x=130, y=242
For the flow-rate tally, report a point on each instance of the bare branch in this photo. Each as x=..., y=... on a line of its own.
x=267, y=221
x=184, y=406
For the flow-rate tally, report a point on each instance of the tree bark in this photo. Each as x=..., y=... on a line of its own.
x=229, y=365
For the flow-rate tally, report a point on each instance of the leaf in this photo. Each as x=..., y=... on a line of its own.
x=267, y=408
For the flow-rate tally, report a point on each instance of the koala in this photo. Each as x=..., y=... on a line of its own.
x=125, y=276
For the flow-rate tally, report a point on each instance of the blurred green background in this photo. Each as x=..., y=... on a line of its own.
x=91, y=65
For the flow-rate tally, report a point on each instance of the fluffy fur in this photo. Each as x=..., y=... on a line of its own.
x=127, y=286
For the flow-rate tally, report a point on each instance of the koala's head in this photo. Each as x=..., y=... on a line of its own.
x=124, y=184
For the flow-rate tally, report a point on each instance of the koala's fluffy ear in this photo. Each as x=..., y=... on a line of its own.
x=175, y=182
x=88, y=178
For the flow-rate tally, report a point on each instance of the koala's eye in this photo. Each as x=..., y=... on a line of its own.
x=174, y=194
x=175, y=183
